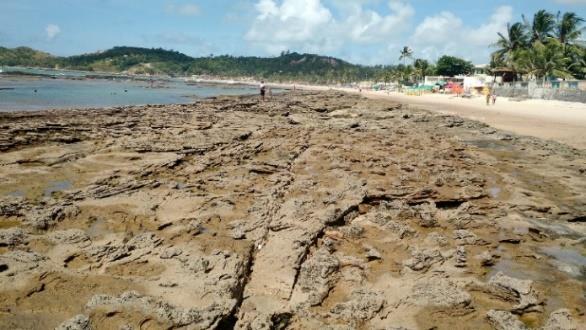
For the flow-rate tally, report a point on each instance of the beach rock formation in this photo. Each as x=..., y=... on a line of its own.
x=312, y=210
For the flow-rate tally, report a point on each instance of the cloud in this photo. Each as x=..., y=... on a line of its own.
x=446, y=33
x=361, y=33
x=369, y=26
x=52, y=31
x=308, y=25
x=292, y=24
x=438, y=29
x=188, y=9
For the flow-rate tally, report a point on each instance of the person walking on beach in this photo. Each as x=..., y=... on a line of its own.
x=263, y=90
x=486, y=92
x=493, y=97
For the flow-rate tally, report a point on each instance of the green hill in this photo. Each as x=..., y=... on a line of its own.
x=131, y=59
x=288, y=66
x=24, y=56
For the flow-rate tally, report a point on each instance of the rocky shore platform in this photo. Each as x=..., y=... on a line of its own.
x=314, y=210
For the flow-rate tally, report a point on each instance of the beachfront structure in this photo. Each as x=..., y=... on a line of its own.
x=434, y=80
x=481, y=69
x=479, y=80
x=504, y=82
x=480, y=77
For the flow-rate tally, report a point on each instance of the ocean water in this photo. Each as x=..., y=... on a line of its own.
x=60, y=91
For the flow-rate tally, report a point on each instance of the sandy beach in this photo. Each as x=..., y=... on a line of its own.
x=313, y=210
x=564, y=122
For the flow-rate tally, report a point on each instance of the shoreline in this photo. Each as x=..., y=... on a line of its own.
x=561, y=121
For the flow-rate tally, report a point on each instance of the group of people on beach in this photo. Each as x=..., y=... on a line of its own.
x=488, y=92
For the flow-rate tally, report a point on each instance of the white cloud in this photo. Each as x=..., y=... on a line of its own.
x=292, y=24
x=485, y=34
x=308, y=25
x=446, y=33
x=370, y=26
x=438, y=29
x=266, y=9
x=355, y=30
x=52, y=31
x=188, y=9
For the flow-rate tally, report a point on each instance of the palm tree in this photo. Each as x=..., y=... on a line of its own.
x=421, y=68
x=547, y=46
x=542, y=27
x=578, y=60
x=545, y=60
x=406, y=73
x=515, y=39
x=568, y=29
x=406, y=53
x=394, y=74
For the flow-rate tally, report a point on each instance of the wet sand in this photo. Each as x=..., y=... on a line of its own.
x=313, y=210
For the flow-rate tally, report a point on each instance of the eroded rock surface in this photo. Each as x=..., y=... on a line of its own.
x=308, y=211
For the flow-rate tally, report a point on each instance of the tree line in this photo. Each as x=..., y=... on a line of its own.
x=545, y=46
x=288, y=67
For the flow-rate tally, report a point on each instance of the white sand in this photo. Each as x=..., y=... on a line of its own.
x=564, y=122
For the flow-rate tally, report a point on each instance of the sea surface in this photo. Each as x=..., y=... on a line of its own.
x=50, y=89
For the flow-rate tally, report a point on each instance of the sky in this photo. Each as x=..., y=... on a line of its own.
x=360, y=31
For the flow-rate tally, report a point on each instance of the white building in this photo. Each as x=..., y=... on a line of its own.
x=477, y=80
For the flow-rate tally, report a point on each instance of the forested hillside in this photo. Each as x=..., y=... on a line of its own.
x=25, y=56
x=287, y=66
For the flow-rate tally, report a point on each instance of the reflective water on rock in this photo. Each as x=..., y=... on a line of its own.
x=567, y=260
x=56, y=186
x=16, y=193
x=97, y=228
x=555, y=227
x=490, y=144
x=494, y=192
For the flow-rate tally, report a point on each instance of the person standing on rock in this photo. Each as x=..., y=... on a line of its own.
x=263, y=90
